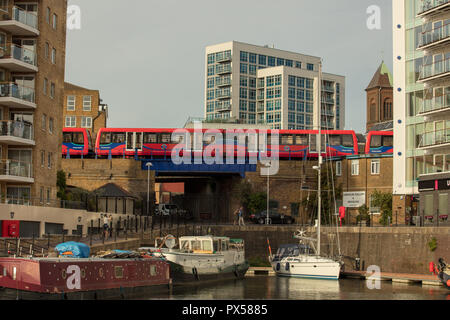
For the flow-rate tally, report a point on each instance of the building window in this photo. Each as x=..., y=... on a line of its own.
x=86, y=122
x=71, y=103
x=355, y=167
x=47, y=15
x=42, y=158
x=52, y=90
x=87, y=103
x=41, y=195
x=54, y=56
x=71, y=122
x=375, y=167
x=49, y=160
x=47, y=50
x=50, y=125
x=310, y=66
x=339, y=168
x=44, y=122
x=45, y=86
x=49, y=192
x=55, y=21
x=372, y=208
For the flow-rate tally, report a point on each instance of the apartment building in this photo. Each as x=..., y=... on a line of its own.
x=83, y=108
x=32, y=64
x=261, y=85
x=422, y=106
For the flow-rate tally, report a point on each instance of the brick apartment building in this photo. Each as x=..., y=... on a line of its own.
x=32, y=66
x=83, y=108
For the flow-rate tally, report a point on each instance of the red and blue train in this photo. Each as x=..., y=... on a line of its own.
x=120, y=142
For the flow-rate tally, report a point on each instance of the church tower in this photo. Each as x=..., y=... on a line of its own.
x=380, y=100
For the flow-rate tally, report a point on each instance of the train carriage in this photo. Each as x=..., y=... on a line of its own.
x=380, y=142
x=76, y=142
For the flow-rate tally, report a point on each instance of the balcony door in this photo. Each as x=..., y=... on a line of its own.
x=439, y=129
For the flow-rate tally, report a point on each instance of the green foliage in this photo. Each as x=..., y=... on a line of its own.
x=383, y=200
x=363, y=213
x=432, y=244
x=61, y=184
x=258, y=262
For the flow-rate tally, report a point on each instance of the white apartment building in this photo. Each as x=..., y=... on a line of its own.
x=421, y=42
x=267, y=86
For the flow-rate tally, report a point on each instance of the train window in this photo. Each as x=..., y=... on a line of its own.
x=118, y=137
x=105, y=138
x=78, y=138
x=313, y=143
x=67, y=137
x=302, y=139
x=334, y=140
x=375, y=141
x=178, y=139
x=130, y=140
x=150, y=138
x=287, y=139
x=165, y=138
x=388, y=141
x=347, y=140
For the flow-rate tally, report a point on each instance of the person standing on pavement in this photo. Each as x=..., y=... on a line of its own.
x=241, y=216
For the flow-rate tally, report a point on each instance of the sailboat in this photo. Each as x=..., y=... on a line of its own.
x=304, y=260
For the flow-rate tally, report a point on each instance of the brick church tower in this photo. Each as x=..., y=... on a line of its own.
x=380, y=100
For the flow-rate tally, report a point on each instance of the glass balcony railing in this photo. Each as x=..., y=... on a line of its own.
x=26, y=17
x=435, y=35
x=328, y=88
x=16, y=168
x=13, y=90
x=328, y=100
x=19, y=53
x=223, y=56
x=223, y=68
x=436, y=104
x=434, y=69
x=431, y=4
x=434, y=138
x=223, y=81
x=18, y=129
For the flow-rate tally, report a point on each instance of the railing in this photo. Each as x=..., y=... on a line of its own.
x=223, y=57
x=328, y=88
x=14, y=90
x=26, y=17
x=435, y=35
x=434, y=69
x=431, y=4
x=329, y=100
x=434, y=138
x=16, y=168
x=19, y=53
x=223, y=68
x=18, y=129
x=226, y=81
x=435, y=104
x=223, y=94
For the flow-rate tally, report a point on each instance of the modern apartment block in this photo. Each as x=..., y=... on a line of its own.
x=83, y=108
x=32, y=64
x=422, y=106
x=262, y=85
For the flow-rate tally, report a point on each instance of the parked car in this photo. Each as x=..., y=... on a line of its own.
x=274, y=218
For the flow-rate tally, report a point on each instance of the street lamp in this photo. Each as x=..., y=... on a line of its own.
x=148, y=165
x=267, y=165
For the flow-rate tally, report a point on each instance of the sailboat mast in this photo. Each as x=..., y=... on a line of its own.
x=319, y=197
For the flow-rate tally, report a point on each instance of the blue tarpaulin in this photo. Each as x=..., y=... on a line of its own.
x=73, y=250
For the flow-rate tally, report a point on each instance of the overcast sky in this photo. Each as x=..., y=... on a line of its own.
x=147, y=57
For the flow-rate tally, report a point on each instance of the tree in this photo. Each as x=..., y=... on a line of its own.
x=363, y=213
x=61, y=183
x=383, y=200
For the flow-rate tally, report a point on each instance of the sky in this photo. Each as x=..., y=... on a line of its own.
x=147, y=57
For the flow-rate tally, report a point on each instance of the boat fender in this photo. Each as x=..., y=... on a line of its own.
x=448, y=283
x=432, y=267
x=287, y=266
x=195, y=273
x=278, y=267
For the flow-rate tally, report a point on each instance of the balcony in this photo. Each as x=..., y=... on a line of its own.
x=223, y=57
x=435, y=37
x=430, y=7
x=16, y=171
x=223, y=94
x=16, y=96
x=328, y=101
x=18, y=59
x=434, y=106
x=19, y=22
x=222, y=82
x=328, y=89
x=438, y=138
x=223, y=68
x=17, y=133
x=433, y=71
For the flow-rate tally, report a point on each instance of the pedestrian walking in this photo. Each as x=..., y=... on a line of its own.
x=241, y=216
x=105, y=226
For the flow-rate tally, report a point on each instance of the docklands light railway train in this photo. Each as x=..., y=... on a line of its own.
x=293, y=144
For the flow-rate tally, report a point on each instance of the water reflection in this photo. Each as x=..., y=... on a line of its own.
x=278, y=288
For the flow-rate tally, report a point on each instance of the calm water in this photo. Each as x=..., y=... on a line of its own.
x=275, y=288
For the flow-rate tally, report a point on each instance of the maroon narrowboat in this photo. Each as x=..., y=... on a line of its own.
x=89, y=279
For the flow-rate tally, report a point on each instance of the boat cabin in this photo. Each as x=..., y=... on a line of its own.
x=292, y=250
x=209, y=244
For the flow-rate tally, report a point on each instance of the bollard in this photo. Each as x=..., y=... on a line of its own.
x=48, y=241
x=90, y=232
